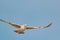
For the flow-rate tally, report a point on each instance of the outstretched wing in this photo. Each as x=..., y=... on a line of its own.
x=34, y=28
x=14, y=25
x=47, y=25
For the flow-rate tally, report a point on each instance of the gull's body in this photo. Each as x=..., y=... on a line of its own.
x=20, y=29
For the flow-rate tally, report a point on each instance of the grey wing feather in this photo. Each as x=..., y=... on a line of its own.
x=15, y=25
x=48, y=25
x=3, y=21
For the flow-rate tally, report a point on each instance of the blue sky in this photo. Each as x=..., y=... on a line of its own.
x=33, y=13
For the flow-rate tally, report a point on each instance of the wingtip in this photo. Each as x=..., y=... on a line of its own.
x=2, y=20
x=49, y=24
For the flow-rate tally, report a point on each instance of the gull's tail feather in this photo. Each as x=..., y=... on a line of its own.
x=3, y=21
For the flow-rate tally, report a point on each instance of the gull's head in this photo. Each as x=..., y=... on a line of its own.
x=25, y=24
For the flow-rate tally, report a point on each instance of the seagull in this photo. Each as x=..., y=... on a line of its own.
x=20, y=29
